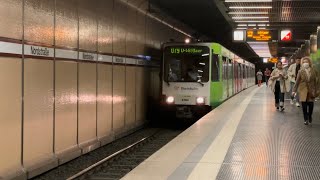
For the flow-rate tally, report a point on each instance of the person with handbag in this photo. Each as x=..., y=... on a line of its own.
x=307, y=84
x=278, y=84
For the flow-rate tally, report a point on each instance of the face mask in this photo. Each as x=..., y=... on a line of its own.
x=306, y=65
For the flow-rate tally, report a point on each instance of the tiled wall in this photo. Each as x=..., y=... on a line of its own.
x=53, y=109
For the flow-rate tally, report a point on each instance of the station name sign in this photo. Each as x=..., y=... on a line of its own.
x=261, y=35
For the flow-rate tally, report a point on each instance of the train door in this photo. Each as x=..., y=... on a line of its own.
x=225, y=77
x=235, y=68
x=230, y=77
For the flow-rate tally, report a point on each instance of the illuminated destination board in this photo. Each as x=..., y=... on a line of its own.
x=186, y=50
x=261, y=35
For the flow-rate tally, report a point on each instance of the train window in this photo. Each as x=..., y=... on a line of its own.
x=186, y=64
x=215, y=73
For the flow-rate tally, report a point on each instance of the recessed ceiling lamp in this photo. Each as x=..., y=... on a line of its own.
x=251, y=17
x=248, y=0
x=250, y=7
x=251, y=21
x=232, y=13
x=243, y=25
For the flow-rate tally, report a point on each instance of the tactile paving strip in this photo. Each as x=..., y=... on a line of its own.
x=273, y=145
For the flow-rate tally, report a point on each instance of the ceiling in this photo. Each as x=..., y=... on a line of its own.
x=217, y=19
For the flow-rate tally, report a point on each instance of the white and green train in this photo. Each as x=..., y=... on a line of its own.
x=197, y=77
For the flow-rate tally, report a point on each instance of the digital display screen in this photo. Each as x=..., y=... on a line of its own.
x=185, y=50
x=261, y=35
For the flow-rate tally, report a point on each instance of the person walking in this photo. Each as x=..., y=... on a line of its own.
x=267, y=74
x=307, y=84
x=278, y=86
x=292, y=74
x=259, y=77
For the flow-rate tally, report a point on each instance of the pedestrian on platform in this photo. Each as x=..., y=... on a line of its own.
x=267, y=74
x=307, y=84
x=292, y=74
x=259, y=77
x=278, y=84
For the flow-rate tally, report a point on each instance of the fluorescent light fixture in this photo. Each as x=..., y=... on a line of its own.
x=248, y=0
x=251, y=17
x=205, y=54
x=260, y=48
x=262, y=28
x=259, y=13
x=250, y=7
x=251, y=24
x=242, y=25
x=251, y=21
x=241, y=28
x=261, y=24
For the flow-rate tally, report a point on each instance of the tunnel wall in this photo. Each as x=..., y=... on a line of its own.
x=74, y=75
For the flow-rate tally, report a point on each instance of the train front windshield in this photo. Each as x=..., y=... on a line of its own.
x=186, y=64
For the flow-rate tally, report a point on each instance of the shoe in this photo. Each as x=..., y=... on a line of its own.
x=297, y=104
x=277, y=108
x=291, y=101
x=281, y=108
x=306, y=123
x=310, y=120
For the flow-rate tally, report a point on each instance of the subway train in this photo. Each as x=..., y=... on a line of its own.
x=197, y=77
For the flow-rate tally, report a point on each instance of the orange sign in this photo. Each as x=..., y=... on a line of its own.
x=260, y=35
x=273, y=60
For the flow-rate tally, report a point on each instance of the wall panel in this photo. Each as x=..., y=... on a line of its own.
x=130, y=95
x=104, y=100
x=105, y=21
x=87, y=102
x=11, y=18
x=10, y=114
x=66, y=30
x=39, y=21
x=119, y=28
x=118, y=97
x=38, y=112
x=65, y=106
x=87, y=25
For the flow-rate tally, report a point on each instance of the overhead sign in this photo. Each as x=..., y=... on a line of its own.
x=273, y=60
x=261, y=35
x=286, y=35
x=239, y=35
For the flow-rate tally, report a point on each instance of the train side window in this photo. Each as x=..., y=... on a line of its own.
x=215, y=73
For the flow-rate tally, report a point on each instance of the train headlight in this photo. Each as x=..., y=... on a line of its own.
x=170, y=99
x=200, y=100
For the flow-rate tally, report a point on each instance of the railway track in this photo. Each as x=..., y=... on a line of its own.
x=123, y=161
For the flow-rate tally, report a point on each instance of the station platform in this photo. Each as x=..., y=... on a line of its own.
x=244, y=138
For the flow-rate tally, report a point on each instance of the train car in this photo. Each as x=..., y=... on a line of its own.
x=199, y=76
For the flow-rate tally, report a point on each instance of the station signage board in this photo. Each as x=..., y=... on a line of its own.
x=273, y=60
x=286, y=35
x=261, y=35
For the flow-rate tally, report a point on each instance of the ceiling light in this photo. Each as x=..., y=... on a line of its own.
x=241, y=28
x=233, y=13
x=251, y=24
x=251, y=17
x=248, y=0
x=261, y=24
x=250, y=7
x=242, y=24
x=251, y=21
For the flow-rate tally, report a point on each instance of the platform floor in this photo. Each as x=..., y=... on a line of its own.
x=244, y=138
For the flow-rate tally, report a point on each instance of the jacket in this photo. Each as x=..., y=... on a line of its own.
x=292, y=72
x=284, y=82
x=308, y=89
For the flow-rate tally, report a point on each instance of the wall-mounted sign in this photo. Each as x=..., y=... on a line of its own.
x=261, y=35
x=286, y=35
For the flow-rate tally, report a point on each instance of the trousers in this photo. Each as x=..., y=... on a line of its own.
x=307, y=108
x=279, y=97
